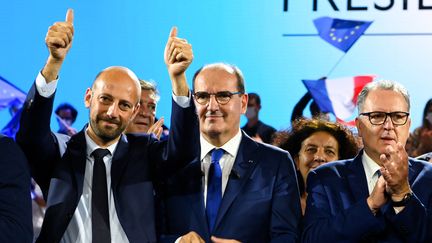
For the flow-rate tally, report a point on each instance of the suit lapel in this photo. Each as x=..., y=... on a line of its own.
x=118, y=162
x=197, y=199
x=357, y=178
x=243, y=166
x=76, y=153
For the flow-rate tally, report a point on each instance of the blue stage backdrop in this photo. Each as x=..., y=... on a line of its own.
x=275, y=44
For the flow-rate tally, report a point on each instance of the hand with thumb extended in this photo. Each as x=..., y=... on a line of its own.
x=59, y=37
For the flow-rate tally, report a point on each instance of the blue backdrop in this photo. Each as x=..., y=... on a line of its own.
x=246, y=33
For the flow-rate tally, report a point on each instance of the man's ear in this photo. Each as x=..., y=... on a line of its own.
x=88, y=97
x=358, y=123
x=244, y=103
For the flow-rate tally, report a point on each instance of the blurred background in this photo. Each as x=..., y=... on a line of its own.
x=275, y=44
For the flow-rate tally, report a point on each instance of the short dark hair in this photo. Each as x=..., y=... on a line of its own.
x=67, y=106
x=220, y=65
x=256, y=97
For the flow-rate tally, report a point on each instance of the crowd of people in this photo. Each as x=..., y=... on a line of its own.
x=124, y=178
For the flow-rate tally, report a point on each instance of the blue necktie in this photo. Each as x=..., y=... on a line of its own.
x=214, y=187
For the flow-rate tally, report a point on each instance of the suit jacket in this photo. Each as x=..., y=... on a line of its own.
x=260, y=203
x=337, y=211
x=58, y=166
x=261, y=129
x=15, y=202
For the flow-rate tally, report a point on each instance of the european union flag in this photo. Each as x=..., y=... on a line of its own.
x=13, y=98
x=10, y=95
x=341, y=33
x=12, y=127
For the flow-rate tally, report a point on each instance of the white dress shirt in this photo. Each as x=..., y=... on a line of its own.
x=226, y=162
x=370, y=168
x=79, y=229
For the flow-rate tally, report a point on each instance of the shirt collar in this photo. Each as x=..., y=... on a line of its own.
x=92, y=146
x=230, y=147
x=370, y=166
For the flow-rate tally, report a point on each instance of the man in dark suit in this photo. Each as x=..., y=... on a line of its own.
x=381, y=195
x=15, y=202
x=99, y=183
x=254, y=127
x=235, y=189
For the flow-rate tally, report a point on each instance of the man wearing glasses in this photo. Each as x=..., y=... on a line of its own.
x=236, y=190
x=381, y=195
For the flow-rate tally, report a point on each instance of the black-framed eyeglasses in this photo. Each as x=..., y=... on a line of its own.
x=222, y=97
x=398, y=118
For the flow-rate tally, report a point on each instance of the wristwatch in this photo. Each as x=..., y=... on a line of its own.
x=404, y=200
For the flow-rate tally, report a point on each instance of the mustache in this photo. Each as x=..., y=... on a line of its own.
x=108, y=119
x=213, y=113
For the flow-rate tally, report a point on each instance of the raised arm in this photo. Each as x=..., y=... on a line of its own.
x=58, y=41
x=178, y=56
x=34, y=135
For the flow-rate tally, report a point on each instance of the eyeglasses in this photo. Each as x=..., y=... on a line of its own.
x=222, y=97
x=378, y=118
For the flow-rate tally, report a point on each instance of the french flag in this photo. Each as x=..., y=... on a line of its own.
x=337, y=96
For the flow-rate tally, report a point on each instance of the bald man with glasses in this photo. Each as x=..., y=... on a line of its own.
x=381, y=195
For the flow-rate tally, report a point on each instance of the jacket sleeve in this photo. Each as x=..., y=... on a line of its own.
x=323, y=222
x=15, y=202
x=286, y=209
x=36, y=139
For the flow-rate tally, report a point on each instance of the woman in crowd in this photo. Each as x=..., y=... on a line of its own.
x=312, y=142
x=420, y=141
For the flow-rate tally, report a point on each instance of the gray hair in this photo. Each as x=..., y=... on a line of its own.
x=230, y=68
x=382, y=85
x=150, y=85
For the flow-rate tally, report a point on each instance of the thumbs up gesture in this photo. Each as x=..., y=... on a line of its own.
x=178, y=54
x=59, y=37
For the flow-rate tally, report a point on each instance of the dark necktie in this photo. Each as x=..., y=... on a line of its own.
x=214, y=187
x=100, y=214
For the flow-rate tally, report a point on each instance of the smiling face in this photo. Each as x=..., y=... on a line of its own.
x=219, y=123
x=377, y=137
x=146, y=115
x=319, y=148
x=113, y=103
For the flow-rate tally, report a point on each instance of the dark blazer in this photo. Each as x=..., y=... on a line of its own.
x=337, y=211
x=58, y=166
x=261, y=129
x=15, y=202
x=260, y=203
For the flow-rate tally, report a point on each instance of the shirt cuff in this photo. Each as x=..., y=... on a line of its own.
x=182, y=101
x=45, y=89
x=178, y=240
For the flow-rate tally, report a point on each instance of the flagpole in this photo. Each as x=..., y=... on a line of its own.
x=370, y=34
x=337, y=63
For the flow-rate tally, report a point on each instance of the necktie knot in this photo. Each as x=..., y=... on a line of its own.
x=378, y=173
x=216, y=155
x=100, y=153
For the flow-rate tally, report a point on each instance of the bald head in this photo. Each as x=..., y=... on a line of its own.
x=119, y=74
